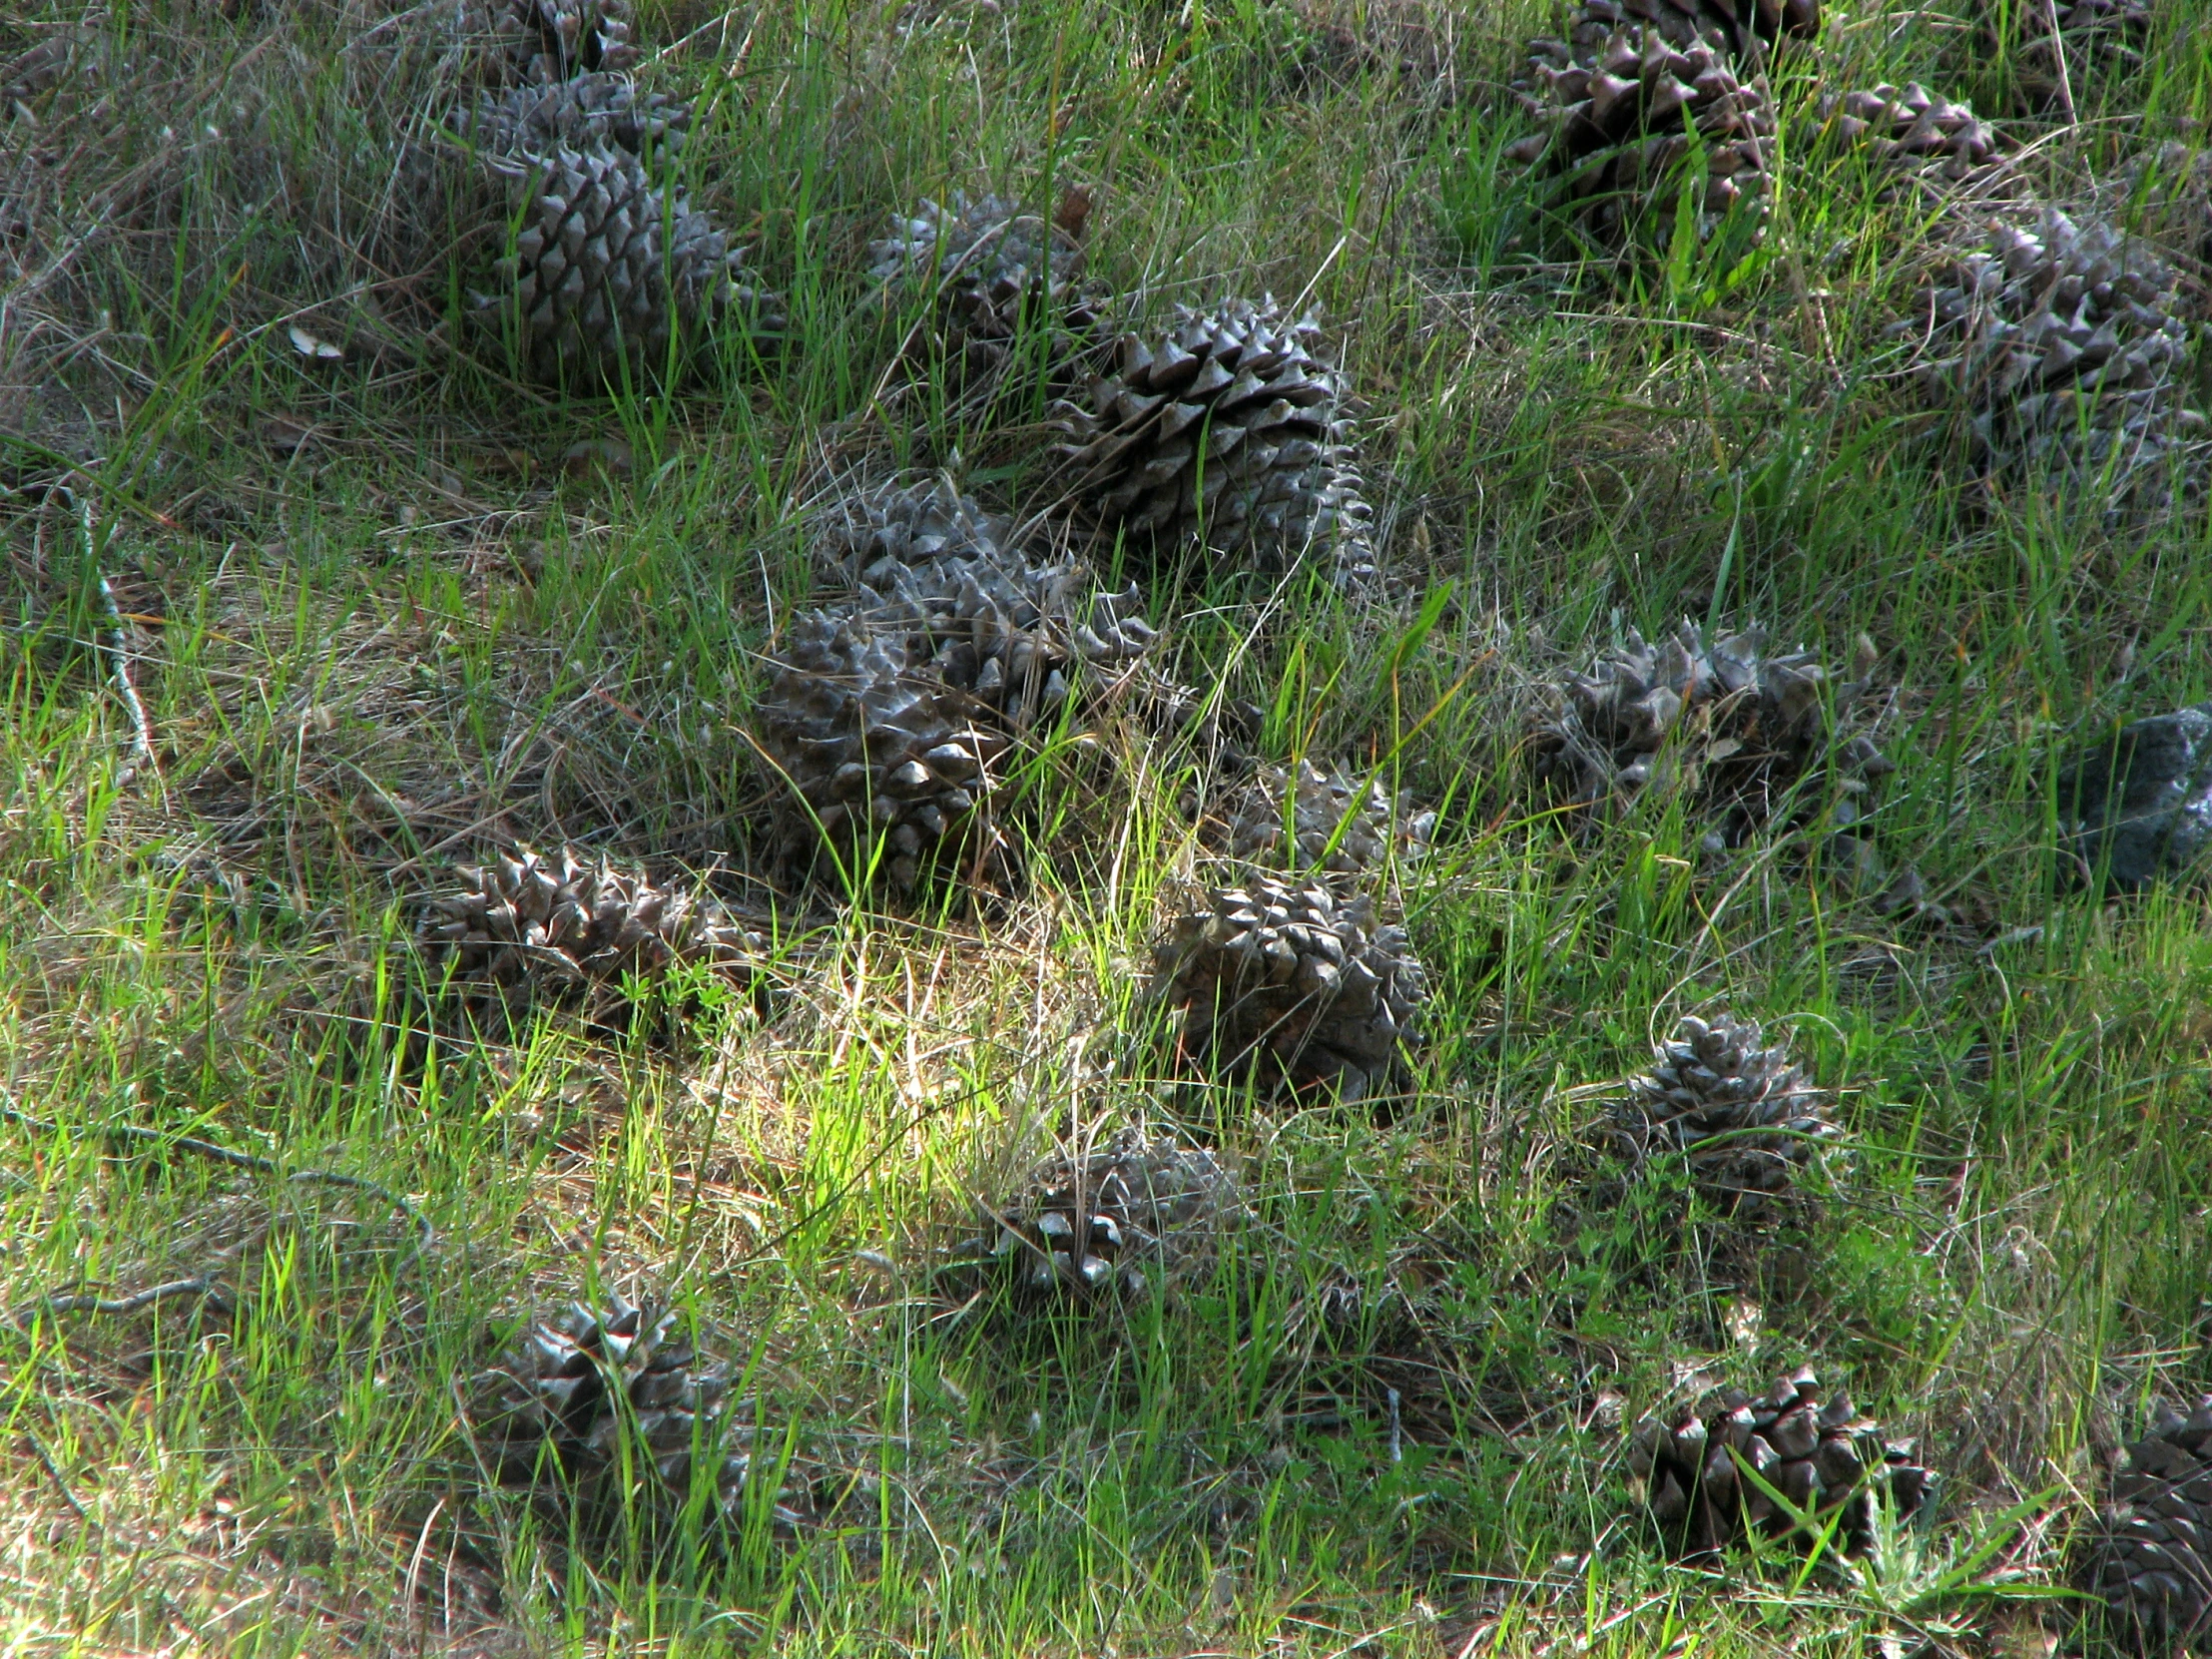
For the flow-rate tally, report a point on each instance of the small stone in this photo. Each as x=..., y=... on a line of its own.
x=2138, y=805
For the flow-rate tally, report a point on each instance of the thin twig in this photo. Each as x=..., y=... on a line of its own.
x=119, y=647
x=51, y=1304
x=54, y=1473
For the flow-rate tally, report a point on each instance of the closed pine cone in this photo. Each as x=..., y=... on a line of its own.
x=538, y=42
x=526, y=921
x=1106, y=1225
x=1816, y=1451
x=2063, y=347
x=610, y=281
x=1912, y=127
x=1229, y=432
x=1019, y=638
x=1727, y=723
x=1745, y=1121
x=1297, y=985
x=2150, y=1559
x=1289, y=816
x=561, y=1411
x=988, y=268
x=869, y=742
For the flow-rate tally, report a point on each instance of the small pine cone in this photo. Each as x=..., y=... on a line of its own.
x=1290, y=817
x=1297, y=985
x=1743, y=1118
x=1105, y=1225
x=868, y=742
x=2150, y=1558
x=989, y=268
x=527, y=921
x=1723, y=721
x=539, y=42
x=1019, y=638
x=593, y=292
x=585, y=114
x=1819, y=1454
x=1611, y=114
x=1914, y=127
x=2062, y=349
x=1228, y=431
x=599, y=1383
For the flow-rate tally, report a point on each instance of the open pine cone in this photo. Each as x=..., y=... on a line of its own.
x=1735, y=728
x=538, y=42
x=530, y=923
x=1816, y=1451
x=1742, y=1117
x=585, y=114
x=1298, y=985
x=1229, y=432
x=2150, y=1558
x=1111, y=1223
x=1912, y=128
x=607, y=1404
x=1289, y=816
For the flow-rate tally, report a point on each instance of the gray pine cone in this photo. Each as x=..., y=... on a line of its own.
x=538, y=42
x=1110, y=1225
x=870, y=742
x=604, y=1393
x=1722, y=721
x=527, y=922
x=1912, y=128
x=2150, y=1559
x=1230, y=432
x=1741, y=1118
x=1288, y=816
x=989, y=268
x=590, y=112
x=2062, y=347
x=1298, y=985
x=1819, y=1452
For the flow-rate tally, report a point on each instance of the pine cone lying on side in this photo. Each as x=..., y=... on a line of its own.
x=988, y=268
x=1725, y=721
x=530, y=923
x=1912, y=127
x=1742, y=1117
x=1289, y=817
x=2097, y=40
x=1297, y=985
x=1110, y=1223
x=609, y=1406
x=538, y=42
x=1229, y=433
x=2150, y=1558
x=1816, y=1451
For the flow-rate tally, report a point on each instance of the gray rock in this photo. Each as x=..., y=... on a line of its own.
x=2139, y=804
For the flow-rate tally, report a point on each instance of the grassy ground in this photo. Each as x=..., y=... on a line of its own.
x=381, y=627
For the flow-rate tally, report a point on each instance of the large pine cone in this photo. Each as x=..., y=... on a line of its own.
x=588, y=112
x=601, y=1393
x=528, y=921
x=1818, y=1452
x=1743, y=1118
x=1914, y=127
x=1611, y=102
x=989, y=270
x=870, y=742
x=1290, y=817
x=1723, y=721
x=2151, y=1558
x=1231, y=432
x=2063, y=347
x=609, y=280
x=538, y=42
x=1019, y=638
x=2097, y=40
x=1111, y=1223
x=1299, y=985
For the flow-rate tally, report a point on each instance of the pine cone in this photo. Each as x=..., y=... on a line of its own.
x=526, y=921
x=586, y=1389
x=1299, y=985
x=1611, y=107
x=1745, y=1120
x=2150, y=1561
x=2138, y=805
x=592, y=291
x=1912, y=127
x=1228, y=431
x=589, y=113
x=1106, y=1225
x=1819, y=1456
x=1280, y=824
x=2063, y=347
x=1017, y=637
x=2171, y=191
x=989, y=267
x=2097, y=39
x=538, y=42
x=869, y=742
